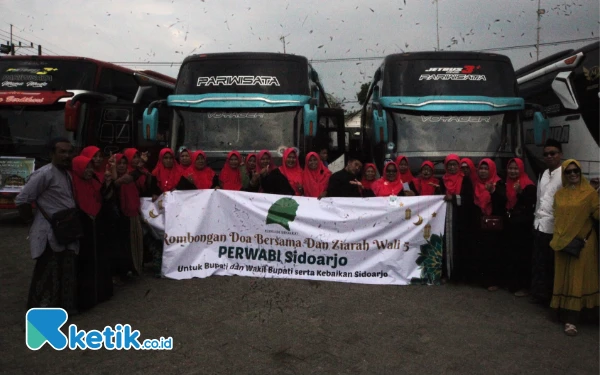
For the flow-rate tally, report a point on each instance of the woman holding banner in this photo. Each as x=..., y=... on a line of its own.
x=198, y=175
x=287, y=179
x=231, y=174
x=390, y=183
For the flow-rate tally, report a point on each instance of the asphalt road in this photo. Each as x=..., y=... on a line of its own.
x=236, y=325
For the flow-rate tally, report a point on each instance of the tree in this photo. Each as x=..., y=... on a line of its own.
x=362, y=94
x=333, y=101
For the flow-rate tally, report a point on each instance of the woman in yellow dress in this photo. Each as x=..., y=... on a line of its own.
x=575, y=278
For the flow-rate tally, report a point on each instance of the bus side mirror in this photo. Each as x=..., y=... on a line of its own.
x=310, y=119
x=541, y=128
x=150, y=123
x=563, y=88
x=72, y=115
x=380, y=128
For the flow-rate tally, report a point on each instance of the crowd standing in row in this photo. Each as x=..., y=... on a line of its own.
x=492, y=219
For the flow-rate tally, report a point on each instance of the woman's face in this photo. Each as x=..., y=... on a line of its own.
x=234, y=162
x=465, y=169
x=573, y=174
x=370, y=174
x=483, y=171
x=290, y=161
x=122, y=166
x=452, y=167
x=252, y=163
x=88, y=172
x=200, y=162
x=184, y=159
x=135, y=160
x=391, y=172
x=513, y=170
x=426, y=171
x=168, y=160
x=403, y=166
x=265, y=160
x=313, y=163
x=97, y=160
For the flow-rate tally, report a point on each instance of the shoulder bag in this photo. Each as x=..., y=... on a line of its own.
x=492, y=223
x=576, y=245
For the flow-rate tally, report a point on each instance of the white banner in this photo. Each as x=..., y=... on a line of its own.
x=395, y=240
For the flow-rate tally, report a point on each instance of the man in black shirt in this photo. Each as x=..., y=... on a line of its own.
x=344, y=184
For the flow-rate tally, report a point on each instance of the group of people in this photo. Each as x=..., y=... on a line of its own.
x=506, y=233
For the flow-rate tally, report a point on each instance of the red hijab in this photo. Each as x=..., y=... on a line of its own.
x=384, y=188
x=523, y=180
x=315, y=182
x=483, y=198
x=129, y=153
x=90, y=152
x=167, y=178
x=426, y=186
x=230, y=178
x=250, y=171
x=87, y=193
x=129, y=195
x=407, y=176
x=203, y=178
x=452, y=182
x=259, y=157
x=366, y=183
x=293, y=174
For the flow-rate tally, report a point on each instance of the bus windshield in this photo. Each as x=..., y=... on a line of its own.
x=36, y=75
x=25, y=130
x=464, y=133
x=225, y=130
x=447, y=77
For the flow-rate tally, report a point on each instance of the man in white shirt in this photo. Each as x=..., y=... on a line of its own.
x=542, y=273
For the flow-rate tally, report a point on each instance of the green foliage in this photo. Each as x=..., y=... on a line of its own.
x=362, y=94
x=430, y=262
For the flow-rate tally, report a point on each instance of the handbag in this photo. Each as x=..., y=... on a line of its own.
x=574, y=247
x=492, y=223
x=65, y=224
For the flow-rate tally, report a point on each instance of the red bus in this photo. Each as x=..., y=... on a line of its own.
x=88, y=101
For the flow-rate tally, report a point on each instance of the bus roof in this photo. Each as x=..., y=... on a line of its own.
x=103, y=64
x=445, y=55
x=245, y=55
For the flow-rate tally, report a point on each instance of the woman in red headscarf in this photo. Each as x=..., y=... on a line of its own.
x=315, y=176
x=94, y=281
x=129, y=247
x=264, y=166
x=490, y=207
x=404, y=169
x=467, y=168
x=521, y=196
x=95, y=154
x=167, y=172
x=287, y=179
x=426, y=184
x=198, y=175
x=136, y=164
x=369, y=177
x=390, y=183
x=231, y=175
x=249, y=170
x=458, y=192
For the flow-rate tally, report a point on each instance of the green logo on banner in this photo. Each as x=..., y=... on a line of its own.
x=283, y=212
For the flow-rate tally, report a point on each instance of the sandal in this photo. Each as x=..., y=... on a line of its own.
x=570, y=329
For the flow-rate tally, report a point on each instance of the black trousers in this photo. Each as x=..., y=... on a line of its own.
x=542, y=270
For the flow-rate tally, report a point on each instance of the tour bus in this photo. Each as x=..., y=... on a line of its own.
x=565, y=88
x=426, y=105
x=248, y=102
x=90, y=102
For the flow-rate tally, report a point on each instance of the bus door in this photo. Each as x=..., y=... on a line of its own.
x=331, y=125
x=117, y=127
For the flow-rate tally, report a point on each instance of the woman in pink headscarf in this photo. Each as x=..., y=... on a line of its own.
x=521, y=196
x=490, y=207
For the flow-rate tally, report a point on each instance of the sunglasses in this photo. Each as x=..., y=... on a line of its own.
x=572, y=171
x=391, y=171
x=551, y=153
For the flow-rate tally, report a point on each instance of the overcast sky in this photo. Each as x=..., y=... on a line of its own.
x=169, y=30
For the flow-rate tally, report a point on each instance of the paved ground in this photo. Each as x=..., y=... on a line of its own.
x=235, y=325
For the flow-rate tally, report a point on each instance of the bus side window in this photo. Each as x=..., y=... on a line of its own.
x=122, y=85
